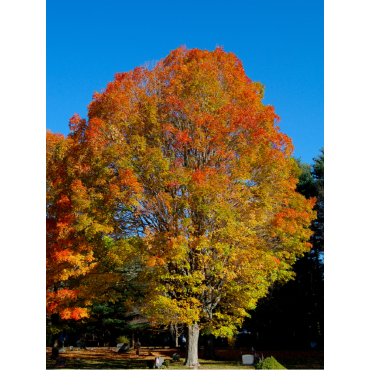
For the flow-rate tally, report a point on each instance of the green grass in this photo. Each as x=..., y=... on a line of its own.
x=141, y=364
x=213, y=364
x=302, y=362
x=101, y=362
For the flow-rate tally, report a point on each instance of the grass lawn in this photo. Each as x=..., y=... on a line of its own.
x=102, y=358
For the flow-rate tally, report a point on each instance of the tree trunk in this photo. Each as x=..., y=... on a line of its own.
x=55, y=349
x=173, y=335
x=192, y=336
x=55, y=337
x=209, y=347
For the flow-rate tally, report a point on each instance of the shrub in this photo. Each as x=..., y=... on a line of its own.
x=166, y=363
x=123, y=339
x=269, y=363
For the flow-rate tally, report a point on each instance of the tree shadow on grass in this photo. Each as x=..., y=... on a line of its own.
x=100, y=364
x=303, y=363
x=227, y=359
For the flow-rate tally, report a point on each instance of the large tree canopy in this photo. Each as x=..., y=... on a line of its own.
x=293, y=314
x=181, y=171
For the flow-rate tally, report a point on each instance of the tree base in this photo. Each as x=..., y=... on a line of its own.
x=192, y=336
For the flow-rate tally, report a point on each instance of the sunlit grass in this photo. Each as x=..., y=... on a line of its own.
x=227, y=359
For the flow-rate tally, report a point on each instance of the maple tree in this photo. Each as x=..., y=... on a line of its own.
x=294, y=312
x=181, y=173
x=80, y=264
x=61, y=261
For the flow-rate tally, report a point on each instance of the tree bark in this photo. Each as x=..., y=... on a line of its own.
x=209, y=347
x=192, y=336
x=55, y=349
x=173, y=335
x=55, y=337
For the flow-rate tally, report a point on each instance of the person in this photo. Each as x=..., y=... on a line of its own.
x=65, y=337
x=83, y=342
x=182, y=341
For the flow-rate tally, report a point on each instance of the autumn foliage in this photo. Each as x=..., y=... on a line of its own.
x=181, y=172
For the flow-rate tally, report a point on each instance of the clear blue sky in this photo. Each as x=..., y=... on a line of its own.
x=281, y=44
